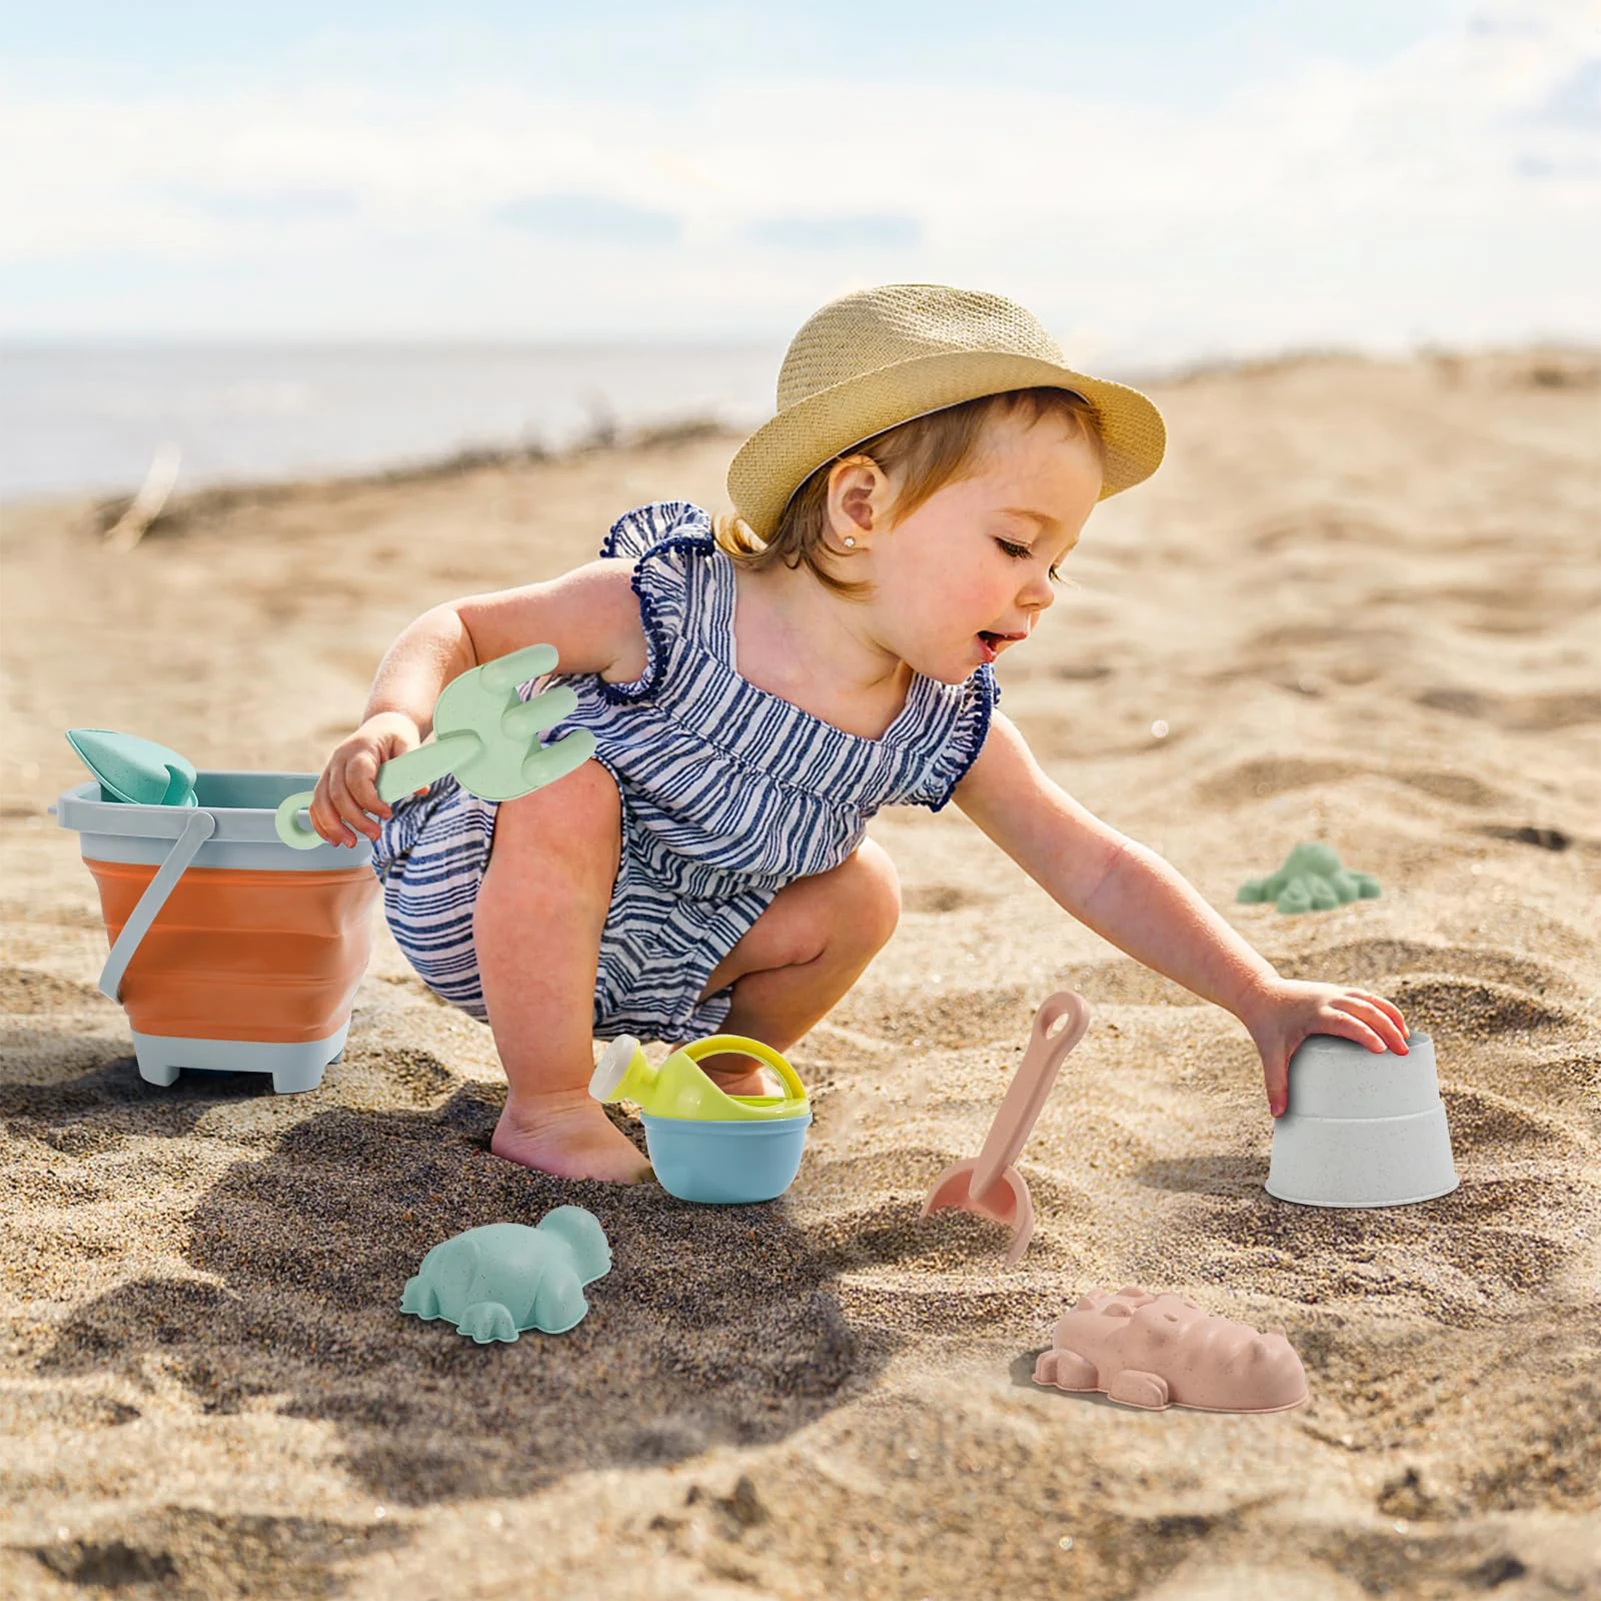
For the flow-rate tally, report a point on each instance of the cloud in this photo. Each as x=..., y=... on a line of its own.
x=1575, y=102
x=1440, y=191
x=590, y=217
x=1581, y=167
x=270, y=205
x=865, y=231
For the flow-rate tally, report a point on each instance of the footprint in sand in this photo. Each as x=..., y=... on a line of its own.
x=1263, y=777
x=1379, y=961
x=1473, y=1010
x=1517, y=714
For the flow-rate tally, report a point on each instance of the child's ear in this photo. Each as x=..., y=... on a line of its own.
x=858, y=508
x=858, y=493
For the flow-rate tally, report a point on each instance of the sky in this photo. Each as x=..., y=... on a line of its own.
x=1160, y=181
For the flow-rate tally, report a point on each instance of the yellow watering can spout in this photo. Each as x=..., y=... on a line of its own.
x=680, y=1089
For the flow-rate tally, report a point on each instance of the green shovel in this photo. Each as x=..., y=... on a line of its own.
x=484, y=735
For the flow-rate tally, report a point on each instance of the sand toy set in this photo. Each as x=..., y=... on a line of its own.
x=238, y=936
x=238, y=939
x=1143, y=1350
x=1362, y=1129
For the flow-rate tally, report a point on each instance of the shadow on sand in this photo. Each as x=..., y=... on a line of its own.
x=715, y=1325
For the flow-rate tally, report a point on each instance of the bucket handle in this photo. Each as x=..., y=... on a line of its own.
x=198, y=827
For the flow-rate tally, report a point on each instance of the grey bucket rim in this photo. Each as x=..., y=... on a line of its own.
x=84, y=810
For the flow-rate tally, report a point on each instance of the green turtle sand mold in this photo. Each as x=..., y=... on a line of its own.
x=493, y=1282
x=1311, y=880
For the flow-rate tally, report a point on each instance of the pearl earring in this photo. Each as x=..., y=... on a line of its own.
x=850, y=544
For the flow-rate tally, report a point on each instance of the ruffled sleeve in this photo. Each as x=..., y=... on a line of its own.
x=965, y=729
x=667, y=541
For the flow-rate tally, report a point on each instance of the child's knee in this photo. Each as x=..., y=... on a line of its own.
x=875, y=894
x=569, y=831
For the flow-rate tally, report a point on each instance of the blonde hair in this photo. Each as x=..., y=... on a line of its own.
x=926, y=452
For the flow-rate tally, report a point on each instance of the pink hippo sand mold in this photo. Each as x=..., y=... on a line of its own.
x=1156, y=1351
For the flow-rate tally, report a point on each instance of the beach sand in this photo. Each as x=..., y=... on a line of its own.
x=1360, y=603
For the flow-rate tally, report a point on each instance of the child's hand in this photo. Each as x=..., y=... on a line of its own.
x=348, y=788
x=1285, y=1012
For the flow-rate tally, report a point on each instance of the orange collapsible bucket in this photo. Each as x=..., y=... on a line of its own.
x=229, y=950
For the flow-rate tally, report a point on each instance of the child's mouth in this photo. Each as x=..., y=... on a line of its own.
x=989, y=643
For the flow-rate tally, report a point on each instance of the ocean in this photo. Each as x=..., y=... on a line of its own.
x=77, y=419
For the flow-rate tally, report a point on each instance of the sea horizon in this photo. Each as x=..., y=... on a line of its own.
x=89, y=416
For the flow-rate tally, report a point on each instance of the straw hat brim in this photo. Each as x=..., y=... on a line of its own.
x=778, y=458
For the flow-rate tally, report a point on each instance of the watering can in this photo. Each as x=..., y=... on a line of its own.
x=706, y=1145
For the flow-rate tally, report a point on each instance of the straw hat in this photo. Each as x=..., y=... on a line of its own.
x=879, y=357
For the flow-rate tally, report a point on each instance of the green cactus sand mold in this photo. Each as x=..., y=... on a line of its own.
x=1311, y=880
x=493, y=1282
x=484, y=735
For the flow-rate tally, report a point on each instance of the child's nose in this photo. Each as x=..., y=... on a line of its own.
x=1037, y=594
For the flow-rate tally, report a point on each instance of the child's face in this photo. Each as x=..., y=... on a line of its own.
x=968, y=573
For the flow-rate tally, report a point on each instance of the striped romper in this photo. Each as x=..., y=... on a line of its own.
x=728, y=793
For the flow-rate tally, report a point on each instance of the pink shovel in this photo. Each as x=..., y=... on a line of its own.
x=991, y=1186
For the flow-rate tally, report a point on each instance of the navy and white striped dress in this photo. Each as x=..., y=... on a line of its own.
x=728, y=793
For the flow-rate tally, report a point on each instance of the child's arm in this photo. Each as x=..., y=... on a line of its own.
x=1132, y=897
x=591, y=616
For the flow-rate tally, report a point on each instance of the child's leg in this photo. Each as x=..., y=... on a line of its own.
x=801, y=956
x=537, y=928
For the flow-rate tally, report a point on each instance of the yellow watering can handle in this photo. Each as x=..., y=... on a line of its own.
x=718, y=1043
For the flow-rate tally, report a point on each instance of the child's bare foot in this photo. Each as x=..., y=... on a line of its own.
x=568, y=1134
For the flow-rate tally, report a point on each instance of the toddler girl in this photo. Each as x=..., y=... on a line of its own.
x=758, y=688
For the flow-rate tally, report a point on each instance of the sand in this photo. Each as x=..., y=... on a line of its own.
x=1361, y=603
